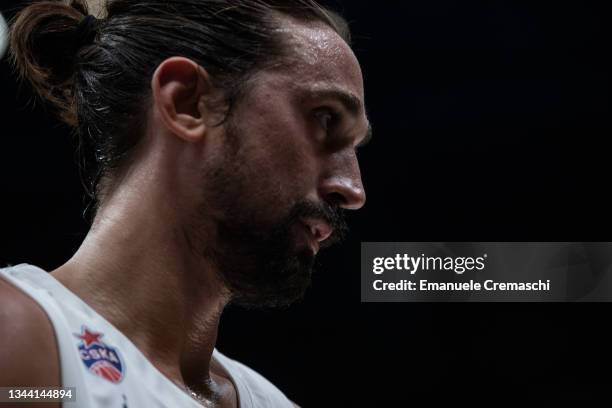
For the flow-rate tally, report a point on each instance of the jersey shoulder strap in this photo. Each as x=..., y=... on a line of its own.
x=105, y=367
x=255, y=390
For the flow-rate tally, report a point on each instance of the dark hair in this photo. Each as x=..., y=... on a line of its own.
x=96, y=73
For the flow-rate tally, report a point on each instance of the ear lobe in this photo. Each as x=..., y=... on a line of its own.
x=180, y=88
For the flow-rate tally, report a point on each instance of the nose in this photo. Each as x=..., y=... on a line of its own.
x=341, y=185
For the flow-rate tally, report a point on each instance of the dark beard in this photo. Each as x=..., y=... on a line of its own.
x=261, y=266
x=258, y=261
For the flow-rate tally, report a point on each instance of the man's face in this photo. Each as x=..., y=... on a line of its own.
x=288, y=170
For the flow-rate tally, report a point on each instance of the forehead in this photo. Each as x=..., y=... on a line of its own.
x=318, y=57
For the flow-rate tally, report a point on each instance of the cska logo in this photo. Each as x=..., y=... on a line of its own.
x=99, y=358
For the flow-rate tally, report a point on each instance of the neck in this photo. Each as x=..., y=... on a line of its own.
x=136, y=269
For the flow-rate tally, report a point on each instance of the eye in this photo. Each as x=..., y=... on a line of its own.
x=327, y=117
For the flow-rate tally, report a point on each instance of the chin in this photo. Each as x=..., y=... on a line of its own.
x=289, y=285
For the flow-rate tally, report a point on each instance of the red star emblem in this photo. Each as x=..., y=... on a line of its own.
x=90, y=337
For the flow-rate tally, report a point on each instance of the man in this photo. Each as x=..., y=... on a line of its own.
x=215, y=205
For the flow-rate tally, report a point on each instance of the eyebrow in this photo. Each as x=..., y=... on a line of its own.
x=349, y=101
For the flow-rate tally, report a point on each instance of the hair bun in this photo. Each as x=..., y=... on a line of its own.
x=45, y=38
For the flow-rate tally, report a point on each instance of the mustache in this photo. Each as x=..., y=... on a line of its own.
x=332, y=215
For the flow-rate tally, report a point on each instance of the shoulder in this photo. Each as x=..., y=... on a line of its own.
x=28, y=348
x=262, y=392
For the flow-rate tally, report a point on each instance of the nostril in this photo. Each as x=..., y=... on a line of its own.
x=335, y=199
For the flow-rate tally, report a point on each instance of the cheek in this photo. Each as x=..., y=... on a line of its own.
x=282, y=162
x=280, y=174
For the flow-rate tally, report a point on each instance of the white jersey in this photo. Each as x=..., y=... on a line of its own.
x=106, y=368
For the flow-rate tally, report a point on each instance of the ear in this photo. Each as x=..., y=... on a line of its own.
x=182, y=93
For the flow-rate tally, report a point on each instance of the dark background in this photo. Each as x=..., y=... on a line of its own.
x=491, y=123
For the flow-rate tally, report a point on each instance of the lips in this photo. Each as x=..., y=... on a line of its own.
x=319, y=230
